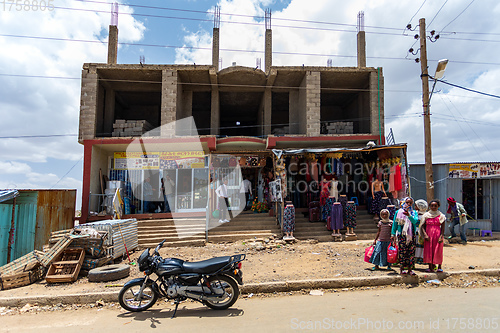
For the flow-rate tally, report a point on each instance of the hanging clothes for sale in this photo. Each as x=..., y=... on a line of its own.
x=350, y=220
x=384, y=203
x=289, y=218
x=336, y=217
x=343, y=202
x=328, y=210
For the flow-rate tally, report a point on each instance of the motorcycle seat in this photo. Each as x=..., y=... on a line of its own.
x=206, y=266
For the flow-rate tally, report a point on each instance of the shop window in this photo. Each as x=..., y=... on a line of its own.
x=472, y=197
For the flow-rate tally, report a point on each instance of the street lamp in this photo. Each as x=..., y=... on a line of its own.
x=427, y=123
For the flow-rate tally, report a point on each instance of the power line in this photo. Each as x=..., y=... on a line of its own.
x=67, y=172
x=458, y=15
x=468, y=89
x=409, y=22
x=230, y=50
x=437, y=13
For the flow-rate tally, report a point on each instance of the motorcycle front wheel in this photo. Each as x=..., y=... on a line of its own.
x=130, y=299
x=230, y=295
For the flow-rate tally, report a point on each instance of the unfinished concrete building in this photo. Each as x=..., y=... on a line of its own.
x=237, y=110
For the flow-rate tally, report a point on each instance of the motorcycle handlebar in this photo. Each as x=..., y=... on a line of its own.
x=159, y=246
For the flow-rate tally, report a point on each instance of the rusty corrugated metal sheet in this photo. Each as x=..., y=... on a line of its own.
x=55, y=211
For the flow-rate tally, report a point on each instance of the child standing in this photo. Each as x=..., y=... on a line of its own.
x=379, y=256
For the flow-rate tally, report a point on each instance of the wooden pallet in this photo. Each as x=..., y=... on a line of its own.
x=22, y=279
x=66, y=266
x=23, y=264
x=55, y=251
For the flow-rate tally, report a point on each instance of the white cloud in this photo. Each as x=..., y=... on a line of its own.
x=41, y=106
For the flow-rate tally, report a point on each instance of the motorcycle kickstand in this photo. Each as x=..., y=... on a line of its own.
x=177, y=302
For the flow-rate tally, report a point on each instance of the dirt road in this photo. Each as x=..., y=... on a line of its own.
x=279, y=262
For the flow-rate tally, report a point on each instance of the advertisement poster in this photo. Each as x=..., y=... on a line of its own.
x=159, y=160
x=474, y=170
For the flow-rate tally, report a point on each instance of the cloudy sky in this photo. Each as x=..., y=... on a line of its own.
x=42, y=54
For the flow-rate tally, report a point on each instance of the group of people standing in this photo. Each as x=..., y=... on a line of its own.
x=418, y=234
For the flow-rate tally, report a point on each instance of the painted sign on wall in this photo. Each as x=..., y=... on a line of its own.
x=474, y=170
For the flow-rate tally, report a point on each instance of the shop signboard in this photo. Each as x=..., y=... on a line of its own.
x=159, y=160
x=474, y=170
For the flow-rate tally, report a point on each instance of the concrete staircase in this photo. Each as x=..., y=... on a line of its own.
x=366, y=227
x=244, y=226
x=247, y=225
x=178, y=232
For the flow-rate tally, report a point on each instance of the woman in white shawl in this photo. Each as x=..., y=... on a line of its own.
x=404, y=229
x=432, y=231
x=421, y=206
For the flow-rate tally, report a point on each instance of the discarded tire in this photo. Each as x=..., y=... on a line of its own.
x=109, y=273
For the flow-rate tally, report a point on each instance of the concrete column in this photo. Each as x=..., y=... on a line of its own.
x=109, y=112
x=215, y=49
x=312, y=103
x=215, y=112
x=267, y=111
x=88, y=105
x=361, y=49
x=375, y=80
x=269, y=50
x=113, y=44
x=294, y=112
x=169, y=95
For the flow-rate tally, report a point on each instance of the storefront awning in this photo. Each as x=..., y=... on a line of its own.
x=337, y=150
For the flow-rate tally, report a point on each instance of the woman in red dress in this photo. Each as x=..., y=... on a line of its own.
x=432, y=231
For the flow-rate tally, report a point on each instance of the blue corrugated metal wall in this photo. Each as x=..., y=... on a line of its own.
x=5, y=223
x=452, y=187
x=25, y=222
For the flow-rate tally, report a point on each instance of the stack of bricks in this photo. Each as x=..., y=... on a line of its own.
x=340, y=127
x=128, y=128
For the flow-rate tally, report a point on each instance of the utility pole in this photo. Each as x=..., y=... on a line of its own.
x=429, y=178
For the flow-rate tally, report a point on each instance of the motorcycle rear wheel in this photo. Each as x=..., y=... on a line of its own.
x=129, y=297
x=231, y=292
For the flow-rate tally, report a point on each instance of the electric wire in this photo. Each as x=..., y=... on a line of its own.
x=468, y=123
x=409, y=22
x=458, y=15
x=463, y=131
x=468, y=89
x=437, y=13
x=74, y=165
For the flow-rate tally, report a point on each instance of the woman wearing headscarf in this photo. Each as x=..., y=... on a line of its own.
x=404, y=229
x=432, y=231
x=421, y=206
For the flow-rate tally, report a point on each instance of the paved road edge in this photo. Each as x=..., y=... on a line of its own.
x=267, y=287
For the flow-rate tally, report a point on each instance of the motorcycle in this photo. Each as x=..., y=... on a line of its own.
x=213, y=282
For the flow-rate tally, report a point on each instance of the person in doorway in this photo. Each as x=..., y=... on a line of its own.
x=148, y=195
x=432, y=231
x=245, y=192
x=221, y=192
x=168, y=188
x=458, y=215
x=403, y=229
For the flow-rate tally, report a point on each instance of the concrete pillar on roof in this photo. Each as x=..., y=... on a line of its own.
x=361, y=49
x=113, y=44
x=169, y=96
x=215, y=49
x=269, y=50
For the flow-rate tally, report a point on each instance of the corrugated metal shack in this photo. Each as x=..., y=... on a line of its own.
x=475, y=185
x=28, y=218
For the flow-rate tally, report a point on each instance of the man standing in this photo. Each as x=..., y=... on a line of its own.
x=148, y=195
x=221, y=192
x=458, y=215
x=245, y=192
x=168, y=188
